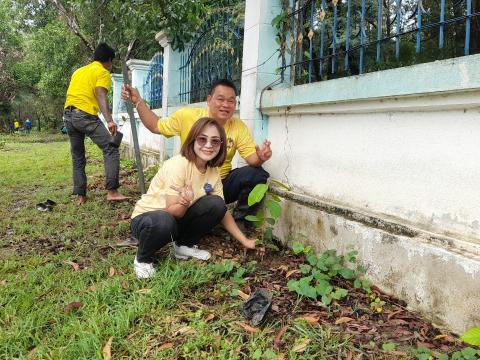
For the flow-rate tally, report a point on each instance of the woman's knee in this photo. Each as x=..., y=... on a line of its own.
x=158, y=222
x=215, y=204
x=255, y=175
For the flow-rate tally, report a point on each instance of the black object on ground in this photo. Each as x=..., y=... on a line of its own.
x=257, y=306
x=46, y=205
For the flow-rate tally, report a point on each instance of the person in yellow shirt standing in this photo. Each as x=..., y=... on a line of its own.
x=221, y=104
x=86, y=96
x=16, y=125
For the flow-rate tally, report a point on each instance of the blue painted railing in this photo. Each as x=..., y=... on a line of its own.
x=372, y=35
x=215, y=53
x=153, y=85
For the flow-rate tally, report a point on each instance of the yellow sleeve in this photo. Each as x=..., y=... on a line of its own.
x=171, y=125
x=174, y=174
x=218, y=186
x=104, y=80
x=245, y=143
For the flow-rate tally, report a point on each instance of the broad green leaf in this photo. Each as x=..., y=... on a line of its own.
x=388, y=346
x=268, y=234
x=472, y=336
x=339, y=294
x=304, y=268
x=323, y=287
x=312, y=259
x=347, y=273
x=327, y=300
x=292, y=285
x=274, y=208
x=257, y=194
x=297, y=247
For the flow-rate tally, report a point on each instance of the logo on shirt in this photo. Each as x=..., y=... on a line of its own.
x=208, y=188
x=230, y=143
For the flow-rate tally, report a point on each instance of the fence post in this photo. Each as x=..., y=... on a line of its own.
x=260, y=62
x=139, y=69
x=171, y=86
x=117, y=81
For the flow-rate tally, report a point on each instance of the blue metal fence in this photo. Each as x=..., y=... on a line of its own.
x=215, y=53
x=153, y=85
x=371, y=35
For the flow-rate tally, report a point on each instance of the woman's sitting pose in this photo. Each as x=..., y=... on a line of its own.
x=185, y=200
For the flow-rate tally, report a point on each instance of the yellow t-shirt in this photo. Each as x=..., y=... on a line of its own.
x=16, y=124
x=175, y=171
x=81, y=91
x=238, y=135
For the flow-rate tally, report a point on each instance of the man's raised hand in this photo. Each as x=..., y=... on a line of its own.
x=265, y=152
x=130, y=93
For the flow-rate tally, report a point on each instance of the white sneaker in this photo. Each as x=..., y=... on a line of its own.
x=184, y=252
x=143, y=270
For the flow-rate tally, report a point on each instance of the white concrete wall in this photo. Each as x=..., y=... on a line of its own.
x=415, y=158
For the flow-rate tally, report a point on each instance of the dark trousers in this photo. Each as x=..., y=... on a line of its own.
x=78, y=125
x=238, y=184
x=155, y=229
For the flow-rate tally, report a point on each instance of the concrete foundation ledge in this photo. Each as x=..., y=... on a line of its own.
x=149, y=157
x=436, y=275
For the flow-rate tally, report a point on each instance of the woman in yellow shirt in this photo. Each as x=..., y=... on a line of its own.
x=185, y=200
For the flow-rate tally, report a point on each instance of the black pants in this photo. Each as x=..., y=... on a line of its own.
x=155, y=229
x=238, y=184
x=78, y=125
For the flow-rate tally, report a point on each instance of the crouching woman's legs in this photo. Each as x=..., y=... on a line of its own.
x=154, y=230
x=199, y=219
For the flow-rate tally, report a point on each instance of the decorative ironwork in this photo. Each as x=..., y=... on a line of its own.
x=215, y=53
x=372, y=35
x=153, y=85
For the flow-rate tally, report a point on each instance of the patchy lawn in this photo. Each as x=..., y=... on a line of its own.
x=67, y=290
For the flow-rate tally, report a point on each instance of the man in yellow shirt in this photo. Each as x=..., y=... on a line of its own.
x=86, y=96
x=221, y=104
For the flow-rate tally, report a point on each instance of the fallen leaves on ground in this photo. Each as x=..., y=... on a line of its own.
x=73, y=305
x=311, y=319
x=248, y=328
x=107, y=349
x=277, y=342
x=74, y=265
x=243, y=295
x=111, y=271
x=302, y=346
x=343, y=320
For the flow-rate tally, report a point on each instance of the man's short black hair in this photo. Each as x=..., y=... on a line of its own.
x=103, y=53
x=223, y=82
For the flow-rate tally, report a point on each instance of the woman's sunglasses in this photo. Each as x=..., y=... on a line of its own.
x=203, y=140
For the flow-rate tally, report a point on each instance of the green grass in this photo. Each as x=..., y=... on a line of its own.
x=166, y=317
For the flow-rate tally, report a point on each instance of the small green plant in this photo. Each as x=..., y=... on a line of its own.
x=465, y=354
x=320, y=270
x=376, y=303
x=472, y=336
x=266, y=218
x=233, y=271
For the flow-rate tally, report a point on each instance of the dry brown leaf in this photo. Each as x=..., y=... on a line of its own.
x=107, y=349
x=92, y=288
x=281, y=356
x=283, y=268
x=74, y=265
x=243, y=295
x=343, y=320
x=393, y=314
x=302, y=346
x=275, y=308
x=132, y=335
x=350, y=355
x=144, y=291
x=111, y=272
x=184, y=330
x=209, y=317
x=248, y=328
x=311, y=319
x=165, y=346
x=72, y=305
x=277, y=342
x=291, y=272
x=438, y=337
